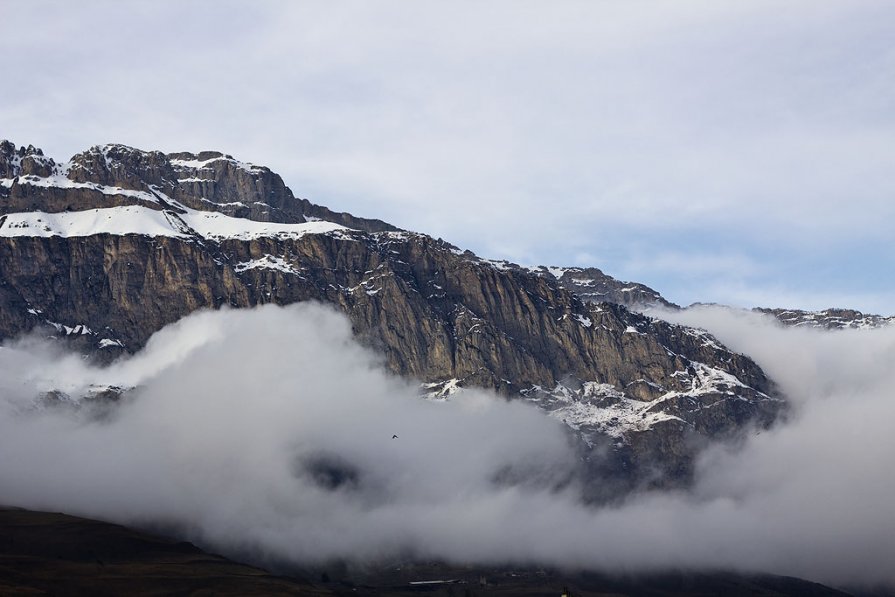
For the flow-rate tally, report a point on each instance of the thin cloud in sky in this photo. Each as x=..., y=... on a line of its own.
x=519, y=130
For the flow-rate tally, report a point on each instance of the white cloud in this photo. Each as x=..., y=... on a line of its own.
x=271, y=431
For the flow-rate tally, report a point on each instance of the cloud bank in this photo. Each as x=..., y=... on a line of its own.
x=270, y=431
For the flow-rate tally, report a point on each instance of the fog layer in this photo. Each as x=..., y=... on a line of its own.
x=272, y=431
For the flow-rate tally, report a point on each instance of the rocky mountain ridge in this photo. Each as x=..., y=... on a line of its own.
x=592, y=285
x=829, y=319
x=113, y=245
x=116, y=175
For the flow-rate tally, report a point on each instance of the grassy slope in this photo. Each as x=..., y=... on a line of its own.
x=45, y=553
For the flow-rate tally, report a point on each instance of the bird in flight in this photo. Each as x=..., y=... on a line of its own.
x=394, y=437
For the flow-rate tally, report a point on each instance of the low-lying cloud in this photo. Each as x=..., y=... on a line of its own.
x=271, y=431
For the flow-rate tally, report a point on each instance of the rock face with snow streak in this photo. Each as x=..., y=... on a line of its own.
x=593, y=286
x=115, y=175
x=829, y=319
x=113, y=245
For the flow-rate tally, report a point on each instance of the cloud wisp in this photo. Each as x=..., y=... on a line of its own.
x=271, y=431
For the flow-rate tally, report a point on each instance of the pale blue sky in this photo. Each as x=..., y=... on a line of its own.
x=739, y=152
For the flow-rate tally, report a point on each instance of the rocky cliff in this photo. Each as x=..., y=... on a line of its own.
x=109, y=247
x=829, y=319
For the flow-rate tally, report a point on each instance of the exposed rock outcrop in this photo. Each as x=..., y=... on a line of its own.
x=829, y=319
x=184, y=232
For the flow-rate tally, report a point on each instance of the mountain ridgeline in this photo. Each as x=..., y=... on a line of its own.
x=108, y=248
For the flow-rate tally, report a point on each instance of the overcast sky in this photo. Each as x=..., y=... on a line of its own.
x=739, y=152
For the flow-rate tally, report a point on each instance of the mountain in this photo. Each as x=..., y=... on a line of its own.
x=111, y=246
x=43, y=553
x=593, y=286
x=829, y=319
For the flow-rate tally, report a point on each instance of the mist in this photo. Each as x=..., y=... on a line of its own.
x=270, y=432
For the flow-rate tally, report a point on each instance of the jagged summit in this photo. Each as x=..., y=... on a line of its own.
x=594, y=286
x=116, y=165
x=20, y=161
x=116, y=175
x=113, y=245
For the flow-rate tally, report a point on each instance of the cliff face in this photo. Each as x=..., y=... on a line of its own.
x=116, y=175
x=829, y=319
x=117, y=243
x=592, y=285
